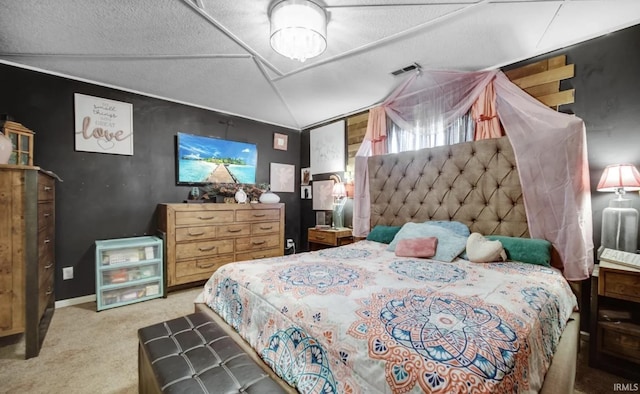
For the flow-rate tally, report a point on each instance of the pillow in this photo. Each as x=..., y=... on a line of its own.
x=482, y=250
x=383, y=234
x=450, y=244
x=457, y=227
x=417, y=247
x=526, y=250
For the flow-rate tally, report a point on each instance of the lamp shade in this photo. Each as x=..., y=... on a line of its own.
x=619, y=176
x=298, y=29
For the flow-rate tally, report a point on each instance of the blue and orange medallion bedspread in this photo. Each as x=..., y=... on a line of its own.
x=358, y=319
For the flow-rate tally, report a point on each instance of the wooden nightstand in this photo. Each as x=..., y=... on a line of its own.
x=329, y=238
x=614, y=343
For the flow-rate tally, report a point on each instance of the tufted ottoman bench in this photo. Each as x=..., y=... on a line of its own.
x=193, y=354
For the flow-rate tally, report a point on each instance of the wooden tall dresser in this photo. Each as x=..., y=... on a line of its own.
x=27, y=253
x=199, y=238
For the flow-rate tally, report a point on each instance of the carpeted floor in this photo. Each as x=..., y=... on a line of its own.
x=96, y=352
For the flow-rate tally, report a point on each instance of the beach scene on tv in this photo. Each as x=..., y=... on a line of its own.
x=211, y=160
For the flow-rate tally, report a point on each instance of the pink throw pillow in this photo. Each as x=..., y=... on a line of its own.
x=417, y=247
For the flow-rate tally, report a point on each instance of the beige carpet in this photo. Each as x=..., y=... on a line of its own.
x=96, y=352
x=86, y=351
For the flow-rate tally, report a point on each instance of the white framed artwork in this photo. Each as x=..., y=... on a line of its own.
x=322, y=195
x=327, y=148
x=305, y=192
x=103, y=125
x=283, y=177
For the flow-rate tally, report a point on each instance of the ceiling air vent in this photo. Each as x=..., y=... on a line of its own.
x=411, y=67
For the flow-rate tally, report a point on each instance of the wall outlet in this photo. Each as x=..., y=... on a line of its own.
x=290, y=243
x=67, y=273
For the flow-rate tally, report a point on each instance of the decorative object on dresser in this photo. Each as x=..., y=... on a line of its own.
x=199, y=238
x=128, y=270
x=339, y=199
x=21, y=143
x=620, y=219
x=27, y=253
x=322, y=238
x=614, y=342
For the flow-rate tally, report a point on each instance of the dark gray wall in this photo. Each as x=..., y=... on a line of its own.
x=106, y=196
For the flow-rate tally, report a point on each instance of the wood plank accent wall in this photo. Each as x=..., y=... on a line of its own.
x=356, y=129
x=541, y=80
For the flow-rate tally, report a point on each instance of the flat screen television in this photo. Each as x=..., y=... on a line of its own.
x=201, y=160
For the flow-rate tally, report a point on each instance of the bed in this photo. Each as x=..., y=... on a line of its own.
x=359, y=318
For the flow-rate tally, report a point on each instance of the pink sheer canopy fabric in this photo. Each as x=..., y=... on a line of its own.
x=550, y=150
x=485, y=115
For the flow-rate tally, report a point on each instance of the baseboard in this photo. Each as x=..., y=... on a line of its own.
x=75, y=301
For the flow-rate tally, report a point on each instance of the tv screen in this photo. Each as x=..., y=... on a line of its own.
x=201, y=160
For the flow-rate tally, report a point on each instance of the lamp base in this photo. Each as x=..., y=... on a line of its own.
x=620, y=228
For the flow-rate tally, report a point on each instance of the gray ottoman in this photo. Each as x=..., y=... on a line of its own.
x=193, y=354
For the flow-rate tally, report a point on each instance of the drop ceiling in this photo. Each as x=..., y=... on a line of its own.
x=215, y=54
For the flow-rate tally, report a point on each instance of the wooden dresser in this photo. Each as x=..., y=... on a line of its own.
x=27, y=253
x=199, y=238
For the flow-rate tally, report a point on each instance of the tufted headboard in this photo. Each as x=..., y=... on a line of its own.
x=475, y=183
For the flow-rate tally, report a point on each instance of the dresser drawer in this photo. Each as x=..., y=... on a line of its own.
x=624, y=285
x=203, y=217
x=45, y=215
x=257, y=215
x=204, y=248
x=258, y=254
x=265, y=228
x=234, y=230
x=45, y=292
x=620, y=339
x=199, y=269
x=195, y=233
x=323, y=237
x=255, y=243
x=45, y=242
x=46, y=188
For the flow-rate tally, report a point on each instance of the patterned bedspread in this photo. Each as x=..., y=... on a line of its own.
x=358, y=319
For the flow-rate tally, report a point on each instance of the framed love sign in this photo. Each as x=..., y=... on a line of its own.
x=103, y=125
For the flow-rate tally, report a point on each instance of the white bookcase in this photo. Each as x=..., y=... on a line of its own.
x=128, y=270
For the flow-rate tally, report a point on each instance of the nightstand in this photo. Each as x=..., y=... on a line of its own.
x=614, y=343
x=329, y=238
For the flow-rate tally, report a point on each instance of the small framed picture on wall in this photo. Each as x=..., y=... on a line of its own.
x=305, y=192
x=280, y=141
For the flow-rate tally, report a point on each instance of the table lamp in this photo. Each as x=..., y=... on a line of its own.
x=339, y=199
x=620, y=219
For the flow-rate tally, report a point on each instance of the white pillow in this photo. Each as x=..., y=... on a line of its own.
x=482, y=250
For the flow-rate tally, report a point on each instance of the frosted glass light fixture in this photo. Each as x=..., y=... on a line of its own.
x=620, y=219
x=298, y=29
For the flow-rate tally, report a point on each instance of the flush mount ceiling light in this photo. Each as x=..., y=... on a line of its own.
x=298, y=29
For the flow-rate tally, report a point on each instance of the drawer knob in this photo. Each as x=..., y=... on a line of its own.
x=205, y=217
x=260, y=257
x=47, y=188
x=259, y=215
x=46, y=215
x=204, y=265
x=48, y=266
x=47, y=240
x=49, y=291
x=266, y=228
x=206, y=249
x=320, y=236
x=195, y=234
x=234, y=230
x=258, y=242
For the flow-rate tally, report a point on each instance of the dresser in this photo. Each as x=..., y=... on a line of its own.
x=199, y=238
x=328, y=238
x=615, y=320
x=27, y=253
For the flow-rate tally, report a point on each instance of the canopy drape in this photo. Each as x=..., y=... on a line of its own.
x=550, y=150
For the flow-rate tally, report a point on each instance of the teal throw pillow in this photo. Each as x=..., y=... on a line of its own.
x=450, y=244
x=526, y=250
x=383, y=234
